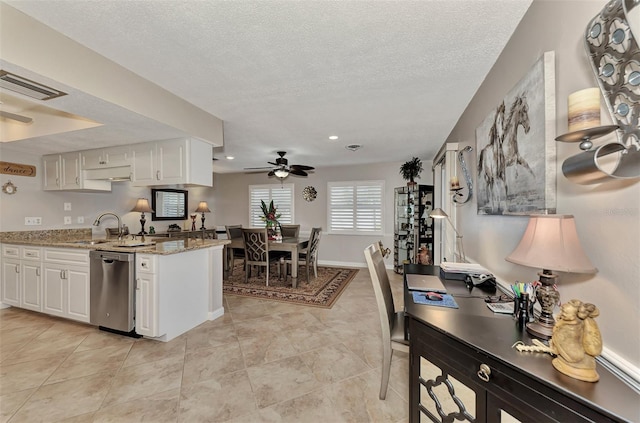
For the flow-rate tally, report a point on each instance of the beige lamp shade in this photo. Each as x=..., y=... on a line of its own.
x=551, y=242
x=142, y=205
x=203, y=207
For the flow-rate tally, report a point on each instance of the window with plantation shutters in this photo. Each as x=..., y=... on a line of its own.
x=355, y=207
x=282, y=197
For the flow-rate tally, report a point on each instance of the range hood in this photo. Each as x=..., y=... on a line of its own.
x=120, y=173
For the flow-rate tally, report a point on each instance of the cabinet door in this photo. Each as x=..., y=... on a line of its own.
x=147, y=322
x=92, y=159
x=11, y=282
x=31, y=279
x=77, y=281
x=117, y=156
x=171, y=161
x=71, y=177
x=144, y=166
x=53, y=288
x=51, y=173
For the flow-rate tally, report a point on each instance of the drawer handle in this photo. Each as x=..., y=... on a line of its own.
x=484, y=373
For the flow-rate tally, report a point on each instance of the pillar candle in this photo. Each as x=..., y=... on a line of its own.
x=584, y=109
x=455, y=183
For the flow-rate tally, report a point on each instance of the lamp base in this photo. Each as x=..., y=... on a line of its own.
x=540, y=330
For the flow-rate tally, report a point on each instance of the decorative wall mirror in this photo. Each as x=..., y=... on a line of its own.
x=169, y=204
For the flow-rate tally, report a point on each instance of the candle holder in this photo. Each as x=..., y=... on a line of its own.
x=586, y=135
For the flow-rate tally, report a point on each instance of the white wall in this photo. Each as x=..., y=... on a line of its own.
x=607, y=215
x=232, y=202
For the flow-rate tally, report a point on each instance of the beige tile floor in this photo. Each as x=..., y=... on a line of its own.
x=262, y=361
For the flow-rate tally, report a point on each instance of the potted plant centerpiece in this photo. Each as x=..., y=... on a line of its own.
x=411, y=170
x=270, y=217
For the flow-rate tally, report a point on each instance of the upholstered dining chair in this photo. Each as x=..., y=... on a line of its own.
x=308, y=255
x=256, y=251
x=290, y=231
x=233, y=232
x=392, y=322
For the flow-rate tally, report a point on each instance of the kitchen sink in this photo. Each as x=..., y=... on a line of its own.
x=89, y=242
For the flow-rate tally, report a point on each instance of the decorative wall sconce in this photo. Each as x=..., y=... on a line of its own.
x=614, y=55
x=456, y=189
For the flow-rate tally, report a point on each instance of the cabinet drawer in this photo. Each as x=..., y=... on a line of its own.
x=146, y=264
x=31, y=253
x=11, y=251
x=66, y=256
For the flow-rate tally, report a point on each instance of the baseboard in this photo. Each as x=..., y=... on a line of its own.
x=213, y=315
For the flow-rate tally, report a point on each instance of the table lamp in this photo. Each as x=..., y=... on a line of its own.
x=142, y=206
x=203, y=208
x=550, y=242
x=438, y=213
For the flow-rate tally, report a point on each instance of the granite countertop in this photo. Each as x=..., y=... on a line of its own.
x=83, y=240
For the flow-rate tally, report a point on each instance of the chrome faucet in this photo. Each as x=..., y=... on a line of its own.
x=97, y=222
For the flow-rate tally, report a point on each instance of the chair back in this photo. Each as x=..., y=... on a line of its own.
x=314, y=242
x=234, y=231
x=256, y=245
x=290, y=231
x=381, y=287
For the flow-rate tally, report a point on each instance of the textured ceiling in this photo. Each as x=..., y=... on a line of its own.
x=392, y=76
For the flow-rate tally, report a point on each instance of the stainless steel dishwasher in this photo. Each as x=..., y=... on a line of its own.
x=112, y=290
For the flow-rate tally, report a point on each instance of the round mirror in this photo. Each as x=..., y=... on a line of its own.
x=622, y=109
x=607, y=70
x=618, y=36
x=595, y=31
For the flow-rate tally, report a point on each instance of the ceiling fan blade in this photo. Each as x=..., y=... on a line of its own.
x=275, y=164
x=272, y=173
x=302, y=167
x=296, y=171
x=13, y=116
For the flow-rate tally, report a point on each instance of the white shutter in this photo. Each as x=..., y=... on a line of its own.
x=356, y=207
x=282, y=197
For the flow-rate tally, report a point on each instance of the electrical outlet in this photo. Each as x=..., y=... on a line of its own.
x=67, y=220
x=67, y=206
x=32, y=221
x=80, y=219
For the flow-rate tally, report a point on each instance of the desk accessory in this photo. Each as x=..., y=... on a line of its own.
x=447, y=300
x=501, y=308
x=550, y=242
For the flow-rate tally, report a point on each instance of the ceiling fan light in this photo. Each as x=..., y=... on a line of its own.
x=281, y=173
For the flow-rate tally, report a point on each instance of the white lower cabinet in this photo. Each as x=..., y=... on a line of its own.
x=11, y=281
x=66, y=283
x=31, y=279
x=147, y=305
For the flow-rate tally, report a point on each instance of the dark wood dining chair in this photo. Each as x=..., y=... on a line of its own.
x=256, y=252
x=233, y=232
x=392, y=322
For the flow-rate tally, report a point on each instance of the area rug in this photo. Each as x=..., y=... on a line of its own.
x=322, y=291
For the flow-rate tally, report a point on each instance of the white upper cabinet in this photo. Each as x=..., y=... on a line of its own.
x=100, y=158
x=171, y=162
x=62, y=172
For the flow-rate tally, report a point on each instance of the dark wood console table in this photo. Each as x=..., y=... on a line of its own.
x=462, y=366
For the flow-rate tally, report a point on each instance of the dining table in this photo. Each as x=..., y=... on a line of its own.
x=289, y=244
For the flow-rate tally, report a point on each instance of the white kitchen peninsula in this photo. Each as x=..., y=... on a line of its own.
x=178, y=282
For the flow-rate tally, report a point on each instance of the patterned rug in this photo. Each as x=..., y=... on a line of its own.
x=322, y=291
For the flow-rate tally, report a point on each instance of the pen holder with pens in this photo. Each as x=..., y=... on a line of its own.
x=523, y=310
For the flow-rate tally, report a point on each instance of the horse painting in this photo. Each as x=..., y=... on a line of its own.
x=516, y=149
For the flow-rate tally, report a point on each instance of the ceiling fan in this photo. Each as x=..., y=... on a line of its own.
x=282, y=168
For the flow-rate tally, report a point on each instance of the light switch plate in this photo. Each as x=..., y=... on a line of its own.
x=80, y=219
x=67, y=220
x=67, y=206
x=33, y=221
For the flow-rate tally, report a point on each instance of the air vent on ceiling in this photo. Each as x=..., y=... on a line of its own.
x=27, y=87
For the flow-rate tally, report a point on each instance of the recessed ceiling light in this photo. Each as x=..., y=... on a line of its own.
x=333, y=137
x=230, y=157
x=353, y=147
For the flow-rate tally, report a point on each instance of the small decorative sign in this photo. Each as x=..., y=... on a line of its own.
x=17, y=169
